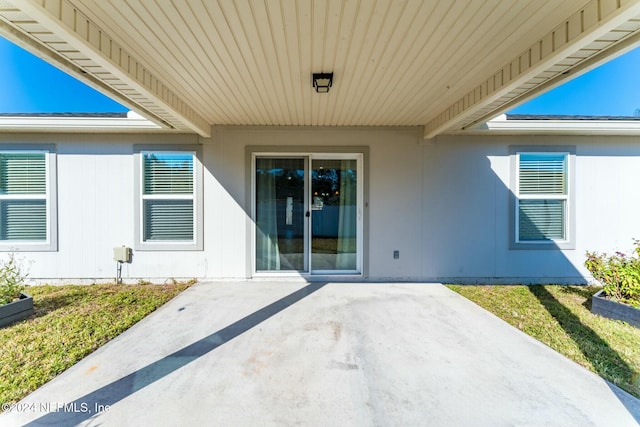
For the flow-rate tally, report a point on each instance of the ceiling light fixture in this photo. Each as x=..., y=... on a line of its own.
x=322, y=82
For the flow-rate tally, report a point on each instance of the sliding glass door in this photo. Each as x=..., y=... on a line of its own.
x=307, y=213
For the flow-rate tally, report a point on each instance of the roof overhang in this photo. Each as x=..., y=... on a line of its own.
x=445, y=65
x=585, y=40
x=71, y=123
x=504, y=125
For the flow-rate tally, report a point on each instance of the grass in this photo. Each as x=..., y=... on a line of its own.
x=560, y=317
x=69, y=323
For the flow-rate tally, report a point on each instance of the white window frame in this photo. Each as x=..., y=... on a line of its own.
x=568, y=242
x=149, y=245
x=50, y=243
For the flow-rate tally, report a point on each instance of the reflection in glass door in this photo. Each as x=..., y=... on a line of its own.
x=307, y=213
x=334, y=230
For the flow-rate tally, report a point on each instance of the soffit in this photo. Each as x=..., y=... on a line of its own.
x=439, y=64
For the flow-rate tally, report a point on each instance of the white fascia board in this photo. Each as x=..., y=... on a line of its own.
x=132, y=123
x=500, y=125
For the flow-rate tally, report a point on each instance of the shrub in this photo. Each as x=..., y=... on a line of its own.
x=12, y=279
x=618, y=273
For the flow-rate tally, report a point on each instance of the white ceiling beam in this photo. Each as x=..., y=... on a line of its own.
x=594, y=20
x=66, y=21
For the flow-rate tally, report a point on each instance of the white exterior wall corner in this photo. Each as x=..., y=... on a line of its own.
x=444, y=206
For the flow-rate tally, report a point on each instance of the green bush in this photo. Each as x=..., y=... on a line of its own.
x=618, y=273
x=12, y=279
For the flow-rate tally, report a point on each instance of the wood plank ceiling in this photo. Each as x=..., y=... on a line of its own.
x=395, y=63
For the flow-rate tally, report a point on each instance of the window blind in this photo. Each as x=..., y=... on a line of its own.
x=23, y=189
x=170, y=220
x=22, y=173
x=542, y=196
x=168, y=197
x=541, y=219
x=168, y=173
x=543, y=174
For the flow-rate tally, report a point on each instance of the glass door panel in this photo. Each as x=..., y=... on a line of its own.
x=280, y=214
x=334, y=215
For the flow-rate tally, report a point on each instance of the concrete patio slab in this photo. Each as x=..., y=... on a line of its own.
x=324, y=354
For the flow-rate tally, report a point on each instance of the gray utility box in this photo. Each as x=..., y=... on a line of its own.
x=122, y=254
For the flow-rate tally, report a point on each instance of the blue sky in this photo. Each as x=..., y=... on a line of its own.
x=613, y=89
x=30, y=85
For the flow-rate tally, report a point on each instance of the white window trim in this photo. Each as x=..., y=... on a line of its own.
x=192, y=245
x=50, y=244
x=514, y=200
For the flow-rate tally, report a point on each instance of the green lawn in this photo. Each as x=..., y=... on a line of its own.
x=70, y=322
x=560, y=317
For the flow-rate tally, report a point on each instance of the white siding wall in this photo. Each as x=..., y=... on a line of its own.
x=444, y=204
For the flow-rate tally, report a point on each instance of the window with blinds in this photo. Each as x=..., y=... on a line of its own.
x=541, y=205
x=23, y=197
x=168, y=197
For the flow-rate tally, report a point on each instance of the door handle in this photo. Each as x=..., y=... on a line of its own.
x=307, y=214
